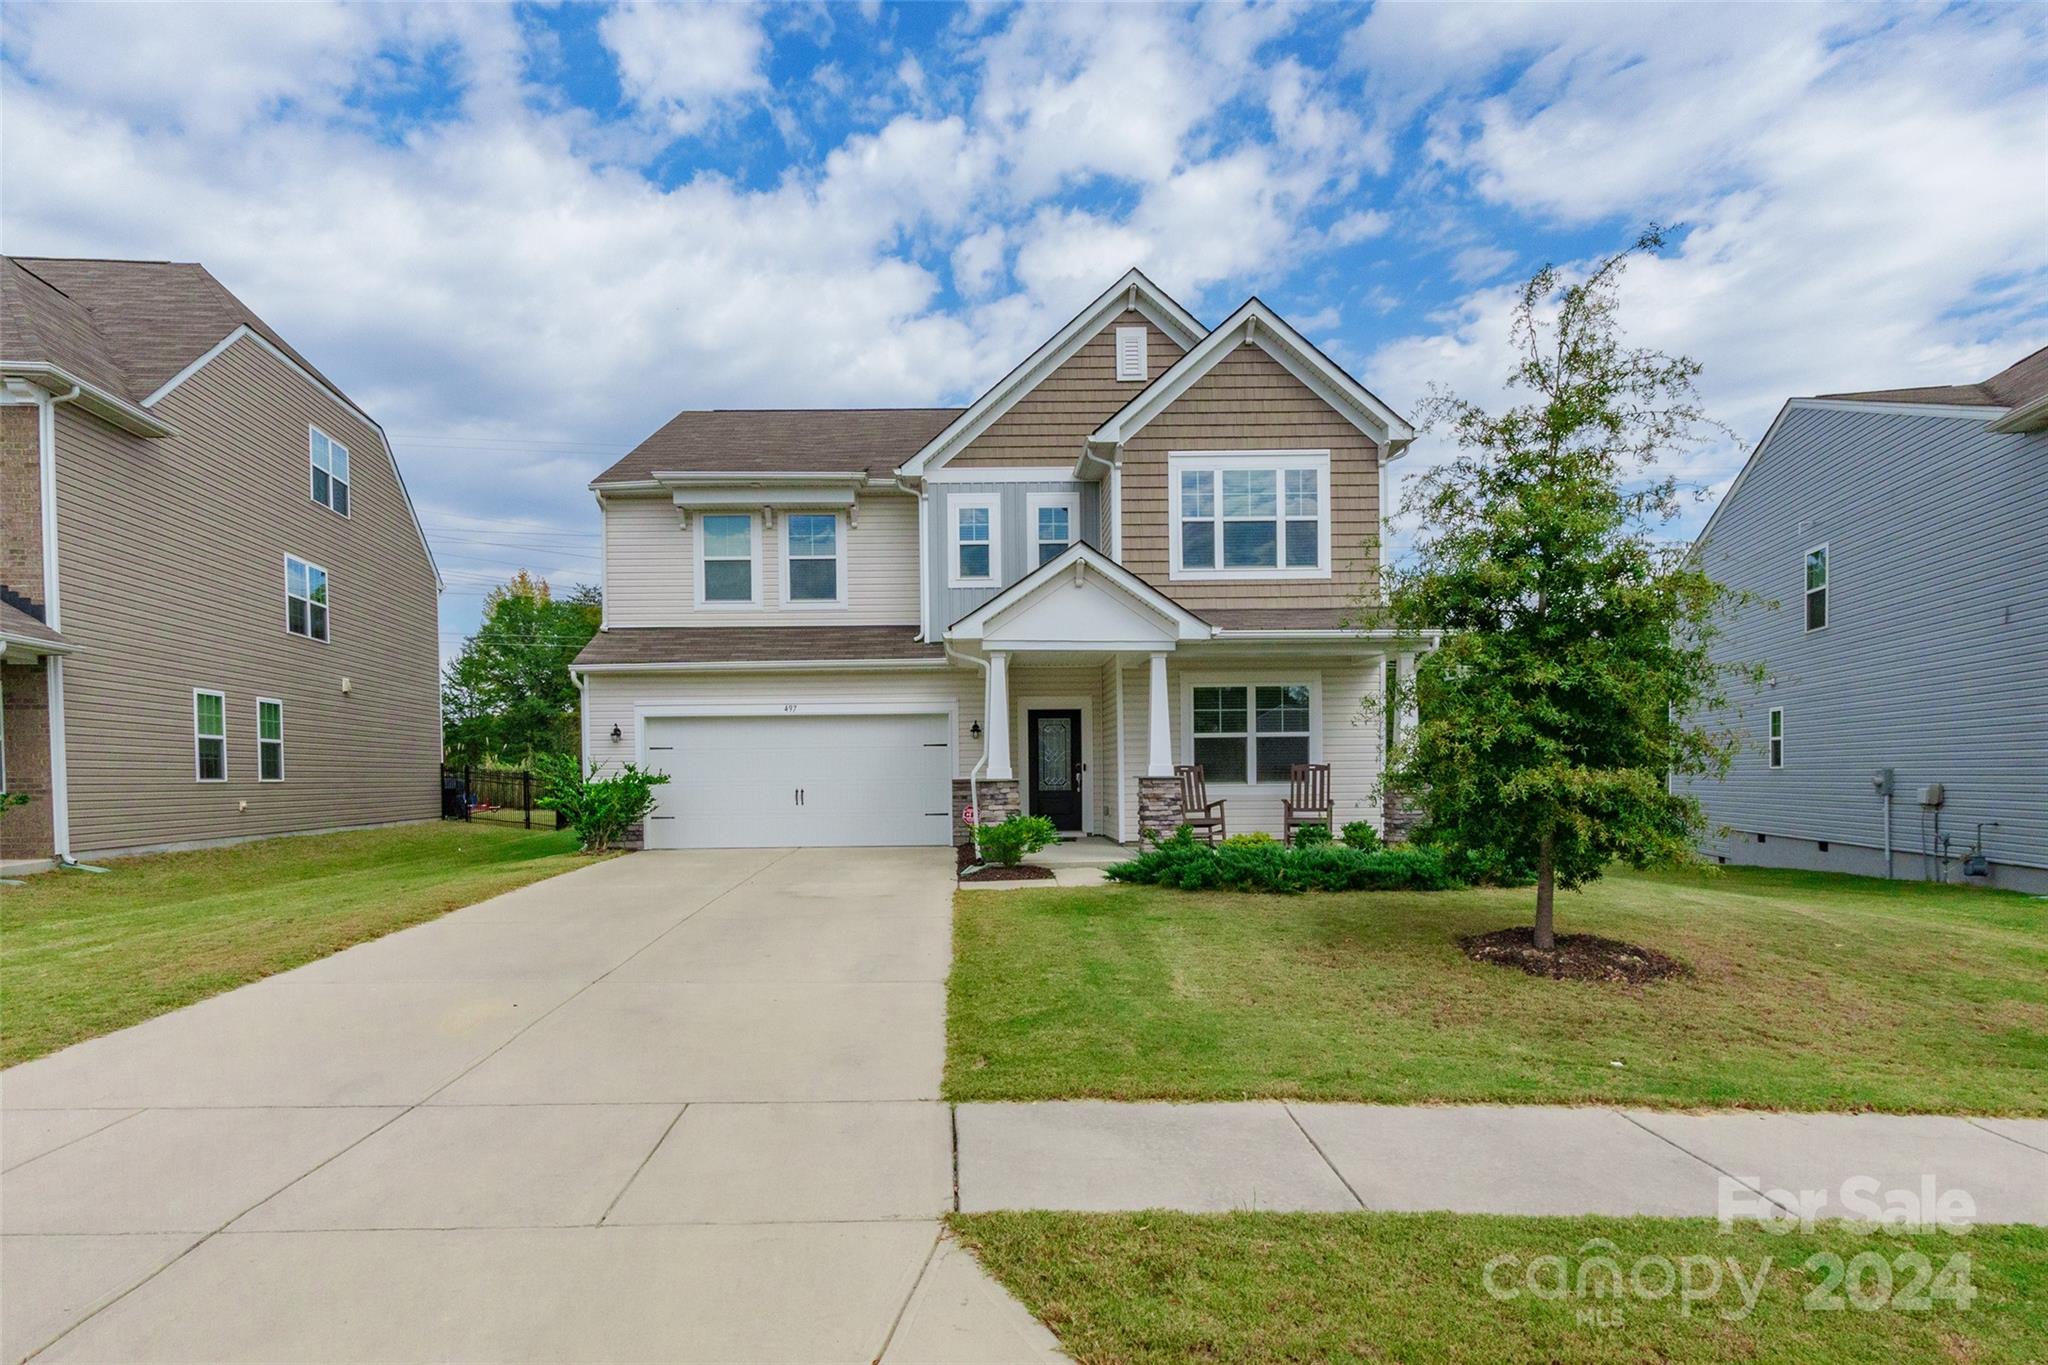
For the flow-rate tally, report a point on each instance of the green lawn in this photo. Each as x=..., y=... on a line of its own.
x=82, y=954
x=1810, y=991
x=1412, y=1287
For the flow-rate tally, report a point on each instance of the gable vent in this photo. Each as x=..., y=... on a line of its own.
x=1130, y=353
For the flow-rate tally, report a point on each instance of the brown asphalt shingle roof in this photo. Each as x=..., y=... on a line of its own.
x=2017, y=384
x=126, y=326
x=753, y=644
x=872, y=441
x=1277, y=618
x=19, y=624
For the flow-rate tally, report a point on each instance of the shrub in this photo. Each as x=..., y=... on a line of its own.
x=1360, y=834
x=1257, y=836
x=1188, y=865
x=1306, y=836
x=600, y=810
x=1006, y=844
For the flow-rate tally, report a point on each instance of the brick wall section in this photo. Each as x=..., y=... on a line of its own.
x=21, y=503
x=25, y=830
x=1159, y=806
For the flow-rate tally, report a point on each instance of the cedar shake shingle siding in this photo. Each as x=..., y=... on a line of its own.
x=172, y=562
x=1048, y=425
x=1249, y=401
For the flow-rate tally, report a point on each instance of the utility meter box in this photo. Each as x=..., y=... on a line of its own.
x=1932, y=794
x=1881, y=781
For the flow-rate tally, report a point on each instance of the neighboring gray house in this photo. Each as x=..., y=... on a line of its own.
x=1903, y=536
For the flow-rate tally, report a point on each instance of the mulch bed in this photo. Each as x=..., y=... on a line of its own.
x=1022, y=872
x=1577, y=957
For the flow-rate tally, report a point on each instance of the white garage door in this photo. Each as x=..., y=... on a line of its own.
x=810, y=781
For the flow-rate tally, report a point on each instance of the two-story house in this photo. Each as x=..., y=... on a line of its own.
x=218, y=613
x=1139, y=549
x=1894, y=545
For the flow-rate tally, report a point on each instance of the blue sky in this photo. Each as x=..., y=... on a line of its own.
x=525, y=236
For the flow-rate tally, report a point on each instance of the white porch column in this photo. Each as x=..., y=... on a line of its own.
x=996, y=717
x=1159, y=749
x=1404, y=711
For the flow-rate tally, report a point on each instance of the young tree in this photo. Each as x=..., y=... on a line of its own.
x=508, y=696
x=1574, y=663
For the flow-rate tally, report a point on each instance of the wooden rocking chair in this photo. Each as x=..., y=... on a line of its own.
x=1197, y=810
x=1308, y=800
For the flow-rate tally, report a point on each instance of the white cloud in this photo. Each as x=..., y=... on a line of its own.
x=1360, y=225
x=684, y=63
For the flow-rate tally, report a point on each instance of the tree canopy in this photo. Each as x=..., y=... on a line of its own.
x=1574, y=678
x=507, y=697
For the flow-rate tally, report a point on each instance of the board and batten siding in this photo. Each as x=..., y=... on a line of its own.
x=172, y=560
x=1349, y=735
x=650, y=569
x=1248, y=401
x=612, y=699
x=1934, y=660
x=1015, y=540
x=1048, y=425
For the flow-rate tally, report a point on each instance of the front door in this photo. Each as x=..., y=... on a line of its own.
x=1056, y=767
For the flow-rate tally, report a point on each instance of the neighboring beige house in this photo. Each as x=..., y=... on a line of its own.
x=1139, y=549
x=218, y=613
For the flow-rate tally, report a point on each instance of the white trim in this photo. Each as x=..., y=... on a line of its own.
x=1133, y=292
x=1256, y=324
x=1279, y=461
x=1035, y=547
x=756, y=478
x=3, y=727
x=1022, y=704
x=684, y=710
x=1827, y=596
x=60, y=768
x=839, y=531
x=754, y=535
x=1967, y=411
x=262, y=702
x=1116, y=671
x=1251, y=680
x=101, y=403
x=1081, y=557
x=774, y=666
x=347, y=484
x=957, y=503
x=326, y=604
x=198, y=769
x=1116, y=511
x=1139, y=370
x=924, y=571
x=336, y=397
x=1774, y=758
x=604, y=562
x=970, y=474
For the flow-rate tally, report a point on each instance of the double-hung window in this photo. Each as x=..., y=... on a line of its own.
x=976, y=547
x=812, y=576
x=1250, y=515
x=1251, y=732
x=269, y=739
x=305, y=598
x=209, y=735
x=727, y=562
x=1777, y=736
x=1052, y=518
x=1817, y=587
x=330, y=470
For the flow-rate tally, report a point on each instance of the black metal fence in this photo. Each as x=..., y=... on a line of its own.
x=500, y=794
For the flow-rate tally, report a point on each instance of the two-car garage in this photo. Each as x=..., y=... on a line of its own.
x=804, y=779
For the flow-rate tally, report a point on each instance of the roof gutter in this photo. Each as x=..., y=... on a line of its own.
x=101, y=403
x=2031, y=416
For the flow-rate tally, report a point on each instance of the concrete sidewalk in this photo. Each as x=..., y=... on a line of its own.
x=1093, y=1155
x=669, y=1107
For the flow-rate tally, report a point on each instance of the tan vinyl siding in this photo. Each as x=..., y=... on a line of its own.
x=650, y=574
x=173, y=578
x=1047, y=425
x=1249, y=401
x=1349, y=736
x=615, y=698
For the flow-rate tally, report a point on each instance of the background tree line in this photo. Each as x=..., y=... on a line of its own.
x=507, y=698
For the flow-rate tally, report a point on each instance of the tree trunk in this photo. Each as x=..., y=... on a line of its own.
x=1546, y=894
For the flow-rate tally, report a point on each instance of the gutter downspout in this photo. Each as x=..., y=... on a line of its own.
x=60, y=768
x=981, y=764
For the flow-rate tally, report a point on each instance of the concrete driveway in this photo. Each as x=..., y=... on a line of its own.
x=677, y=1106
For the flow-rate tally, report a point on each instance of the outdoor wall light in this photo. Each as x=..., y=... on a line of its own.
x=975, y=729
x=617, y=735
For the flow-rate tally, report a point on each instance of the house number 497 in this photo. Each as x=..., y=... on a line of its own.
x=789, y=706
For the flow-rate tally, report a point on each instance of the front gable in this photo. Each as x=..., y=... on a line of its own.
x=1048, y=423
x=1081, y=599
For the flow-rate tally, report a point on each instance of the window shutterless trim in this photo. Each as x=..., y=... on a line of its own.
x=1034, y=503
x=326, y=600
x=752, y=602
x=199, y=737
x=1774, y=742
x=1213, y=463
x=262, y=702
x=955, y=504
x=1807, y=592
x=313, y=467
x=837, y=601
x=1251, y=682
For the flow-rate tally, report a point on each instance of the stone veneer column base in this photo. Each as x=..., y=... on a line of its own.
x=635, y=837
x=1159, y=807
x=1001, y=798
